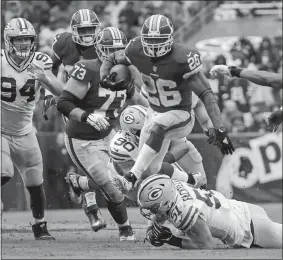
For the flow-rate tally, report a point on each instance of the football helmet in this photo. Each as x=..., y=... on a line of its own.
x=157, y=35
x=20, y=28
x=109, y=40
x=85, y=26
x=156, y=195
x=132, y=119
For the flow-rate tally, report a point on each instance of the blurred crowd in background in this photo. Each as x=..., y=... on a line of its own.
x=244, y=106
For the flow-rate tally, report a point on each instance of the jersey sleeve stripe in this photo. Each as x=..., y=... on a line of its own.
x=189, y=74
x=192, y=221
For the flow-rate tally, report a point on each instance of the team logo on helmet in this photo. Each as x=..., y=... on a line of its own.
x=155, y=194
x=128, y=119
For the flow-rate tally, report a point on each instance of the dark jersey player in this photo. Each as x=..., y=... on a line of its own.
x=68, y=48
x=170, y=72
x=92, y=112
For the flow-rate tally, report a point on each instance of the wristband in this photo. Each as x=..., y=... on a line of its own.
x=175, y=241
x=84, y=116
x=235, y=72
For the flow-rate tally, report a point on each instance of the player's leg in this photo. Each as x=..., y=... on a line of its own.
x=158, y=127
x=26, y=156
x=94, y=162
x=267, y=233
x=188, y=158
x=7, y=168
x=87, y=195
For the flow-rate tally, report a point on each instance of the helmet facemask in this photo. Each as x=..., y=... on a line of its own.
x=103, y=51
x=21, y=50
x=85, y=34
x=156, y=45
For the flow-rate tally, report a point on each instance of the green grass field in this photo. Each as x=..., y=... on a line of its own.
x=74, y=239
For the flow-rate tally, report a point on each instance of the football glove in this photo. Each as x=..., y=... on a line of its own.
x=48, y=101
x=220, y=138
x=150, y=237
x=97, y=121
x=161, y=233
x=109, y=83
x=274, y=120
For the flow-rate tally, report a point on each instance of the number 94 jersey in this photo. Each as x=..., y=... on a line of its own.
x=19, y=92
x=228, y=220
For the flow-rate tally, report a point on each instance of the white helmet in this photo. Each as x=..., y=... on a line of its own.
x=156, y=195
x=132, y=119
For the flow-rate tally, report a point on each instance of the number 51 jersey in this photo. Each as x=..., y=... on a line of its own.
x=228, y=220
x=19, y=92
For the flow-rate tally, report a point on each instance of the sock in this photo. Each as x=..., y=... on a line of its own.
x=4, y=180
x=118, y=211
x=127, y=223
x=37, y=201
x=148, y=152
x=90, y=198
x=38, y=220
x=146, y=156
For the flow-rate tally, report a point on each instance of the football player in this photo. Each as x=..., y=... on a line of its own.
x=201, y=215
x=171, y=72
x=21, y=72
x=263, y=78
x=92, y=112
x=70, y=47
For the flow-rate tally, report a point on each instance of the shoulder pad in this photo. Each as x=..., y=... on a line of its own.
x=59, y=43
x=188, y=59
x=43, y=60
x=84, y=69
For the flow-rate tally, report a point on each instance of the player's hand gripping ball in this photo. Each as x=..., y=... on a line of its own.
x=119, y=78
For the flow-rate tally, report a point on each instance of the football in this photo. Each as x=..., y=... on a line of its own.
x=123, y=72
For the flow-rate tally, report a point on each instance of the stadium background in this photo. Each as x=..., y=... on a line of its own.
x=244, y=33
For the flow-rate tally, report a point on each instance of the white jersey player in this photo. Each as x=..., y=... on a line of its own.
x=201, y=215
x=22, y=69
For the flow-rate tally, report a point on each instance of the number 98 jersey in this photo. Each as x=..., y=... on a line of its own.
x=228, y=220
x=19, y=92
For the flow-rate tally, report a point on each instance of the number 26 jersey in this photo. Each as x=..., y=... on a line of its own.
x=19, y=92
x=228, y=220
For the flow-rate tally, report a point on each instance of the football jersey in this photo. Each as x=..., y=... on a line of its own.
x=69, y=52
x=97, y=99
x=228, y=220
x=19, y=92
x=164, y=81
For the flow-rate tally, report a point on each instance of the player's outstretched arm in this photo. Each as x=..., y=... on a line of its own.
x=203, y=116
x=260, y=77
x=217, y=135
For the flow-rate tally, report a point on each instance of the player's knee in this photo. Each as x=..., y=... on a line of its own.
x=156, y=137
x=99, y=173
x=33, y=176
x=112, y=193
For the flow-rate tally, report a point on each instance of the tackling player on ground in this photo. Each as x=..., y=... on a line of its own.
x=171, y=72
x=263, y=78
x=22, y=70
x=201, y=215
x=92, y=113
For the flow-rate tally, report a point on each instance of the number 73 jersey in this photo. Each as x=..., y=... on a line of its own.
x=228, y=220
x=19, y=92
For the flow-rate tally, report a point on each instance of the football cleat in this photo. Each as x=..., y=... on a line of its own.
x=92, y=211
x=40, y=231
x=126, y=233
x=75, y=190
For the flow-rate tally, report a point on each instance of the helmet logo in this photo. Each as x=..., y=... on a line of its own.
x=129, y=119
x=155, y=194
